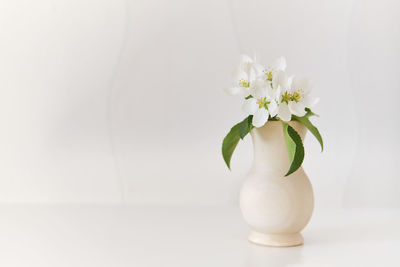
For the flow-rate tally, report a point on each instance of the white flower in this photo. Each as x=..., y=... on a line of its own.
x=295, y=98
x=275, y=74
x=280, y=64
x=303, y=86
x=284, y=112
x=261, y=105
x=269, y=92
x=244, y=77
x=279, y=77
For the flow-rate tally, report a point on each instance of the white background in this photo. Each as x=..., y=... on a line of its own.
x=112, y=117
x=121, y=101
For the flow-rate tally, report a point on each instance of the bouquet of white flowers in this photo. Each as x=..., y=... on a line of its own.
x=271, y=95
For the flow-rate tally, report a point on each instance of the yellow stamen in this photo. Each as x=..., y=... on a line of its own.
x=243, y=83
x=262, y=102
x=286, y=97
x=268, y=74
x=296, y=96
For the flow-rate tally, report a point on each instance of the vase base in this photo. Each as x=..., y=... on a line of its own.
x=276, y=240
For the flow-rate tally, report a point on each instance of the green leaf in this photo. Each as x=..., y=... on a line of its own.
x=231, y=140
x=294, y=147
x=229, y=144
x=306, y=122
x=245, y=126
x=310, y=113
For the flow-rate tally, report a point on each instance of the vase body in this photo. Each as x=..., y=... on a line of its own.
x=275, y=207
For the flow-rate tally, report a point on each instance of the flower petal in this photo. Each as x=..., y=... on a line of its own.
x=273, y=108
x=240, y=75
x=284, y=112
x=258, y=71
x=301, y=83
x=250, y=106
x=246, y=63
x=279, y=79
x=260, y=117
x=278, y=94
x=259, y=89
x=297, y=108
x=310, y=101
x=245, y=59
x=289, y=83
x=281, y=63
x=271, y=93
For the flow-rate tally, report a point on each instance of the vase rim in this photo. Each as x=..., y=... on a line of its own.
x=295, y=124
x=292, y=121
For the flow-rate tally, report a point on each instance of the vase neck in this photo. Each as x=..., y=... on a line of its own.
x=269, y=145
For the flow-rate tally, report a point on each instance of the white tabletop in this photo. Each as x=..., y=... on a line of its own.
x=117, y=235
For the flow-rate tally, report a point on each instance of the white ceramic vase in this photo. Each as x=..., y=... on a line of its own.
x=275, y=207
